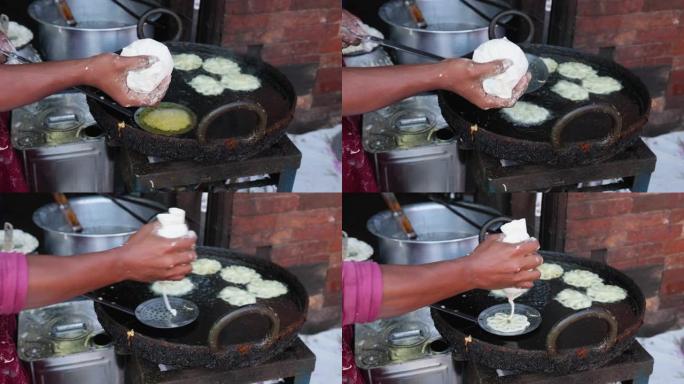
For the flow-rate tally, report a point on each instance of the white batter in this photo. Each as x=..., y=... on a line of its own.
x=575, y=70
x=236, y=296
x=496, y=49
x=206, y=85
x=266, y=289
x=525, y=113
x=569, y=90
x=582, y=279
x=18, y=34
x=498, y=293
x=220, y=66
x=238, y=274
x=148, y=79
x=551, y=64
x=365, y=45
x=186, y=62
x=573, y=299
x=172, y=288
x=550, y=271
x=504, y=323
x=606, y=293
x=240, y=82
x=205, y=266
x=601, y=85
x=357, y=250
x=22, y=242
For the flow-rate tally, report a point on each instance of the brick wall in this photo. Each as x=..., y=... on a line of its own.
x=300, y=37
x=646, y=36
x=303, y=232
x=640, y=234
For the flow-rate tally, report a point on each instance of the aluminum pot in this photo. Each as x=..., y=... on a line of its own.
x=102, y=27
x=442, y=235
x=105, y=225
x=453, y=28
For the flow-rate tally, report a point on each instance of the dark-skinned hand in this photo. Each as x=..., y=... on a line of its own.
x=495, y=264
x=149, y=257
x=108, y=72
x=465, y=77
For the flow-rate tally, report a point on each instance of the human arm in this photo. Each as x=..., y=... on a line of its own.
x=404, y=288
x=28, y=83
x=368, y=89
x=145, y=257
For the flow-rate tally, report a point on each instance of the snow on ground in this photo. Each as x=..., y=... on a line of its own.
x=320, y=171
x=668, y=356
x=327, y=346
x=669, y=173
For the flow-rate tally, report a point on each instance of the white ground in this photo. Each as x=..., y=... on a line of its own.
x=320, y=170
x=669, y=173
x=666, y=349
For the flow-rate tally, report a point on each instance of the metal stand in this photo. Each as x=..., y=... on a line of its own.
x=295, y=365
x=634, y=166
x=634, y=364
x=280, y=162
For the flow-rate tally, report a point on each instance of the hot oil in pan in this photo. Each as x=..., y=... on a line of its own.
x=587, y=332
x=252, y=328
x=591, y=127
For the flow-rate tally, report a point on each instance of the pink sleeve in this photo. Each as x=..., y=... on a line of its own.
x=361, y=292
x=13, y=282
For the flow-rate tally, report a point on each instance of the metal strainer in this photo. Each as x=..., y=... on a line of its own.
x=153, y=312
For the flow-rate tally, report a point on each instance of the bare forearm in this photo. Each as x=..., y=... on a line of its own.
x=53, y=279
x=406, y=288
x=28, y=83
x=368, y=89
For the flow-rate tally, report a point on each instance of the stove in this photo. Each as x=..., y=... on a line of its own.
x=296, y=363
x=630, y=169
x=412, y=147
x=634, y=365
x=280, y=162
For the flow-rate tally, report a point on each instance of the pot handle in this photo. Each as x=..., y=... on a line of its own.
x=146, y=15
x=223, y=322
x=485, y=226
x=600, y=313
x=502, y=14
x=231, y=143
x=565, y=121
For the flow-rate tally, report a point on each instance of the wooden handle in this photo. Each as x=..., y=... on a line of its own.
x=69, y=213
x=402, y=219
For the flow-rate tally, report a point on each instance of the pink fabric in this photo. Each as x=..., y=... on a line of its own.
x=357, y=170
x=361, y=292
x=13, y=282
x=13, y=291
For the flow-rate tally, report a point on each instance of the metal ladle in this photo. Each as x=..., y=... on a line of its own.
x=537, y=67
x=153, y=312
x=533, y=316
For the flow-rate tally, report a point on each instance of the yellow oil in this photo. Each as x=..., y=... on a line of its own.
x=168, y=119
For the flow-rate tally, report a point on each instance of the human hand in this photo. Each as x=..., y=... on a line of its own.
x=495, y=264
x=108, y=72
x=149, y=257
x=351, y=29
x=465, y=77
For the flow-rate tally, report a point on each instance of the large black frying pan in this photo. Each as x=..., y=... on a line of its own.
x=231, y=126
x=567, y=340
x=577, y=133
x=223, y=335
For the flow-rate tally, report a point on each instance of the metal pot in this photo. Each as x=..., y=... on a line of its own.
x=105, y=225
x=442, y=235
x=102, y=27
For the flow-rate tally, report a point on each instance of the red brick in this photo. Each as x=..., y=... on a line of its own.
x=671, y=33
x=253, y=224
x=321, y=231
x=674, y=261
x=678, y=63
x=653, y=234
x=589, y=25
x=328, y=80
x=334, y=279
x=677, y=215
x=646, y=62
x=638, y=251
x=651, y=20
x=269, y=203
x=601, y=208
x=650, y=50
x=600, y=241
x=306, y=4
x=673, y=281
x=309, y=218
x=320, y=200
x=301, y=249
x=608, y=7
x=657, y=5
x=268, y=6
x=657, y=201
x=676, y=246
